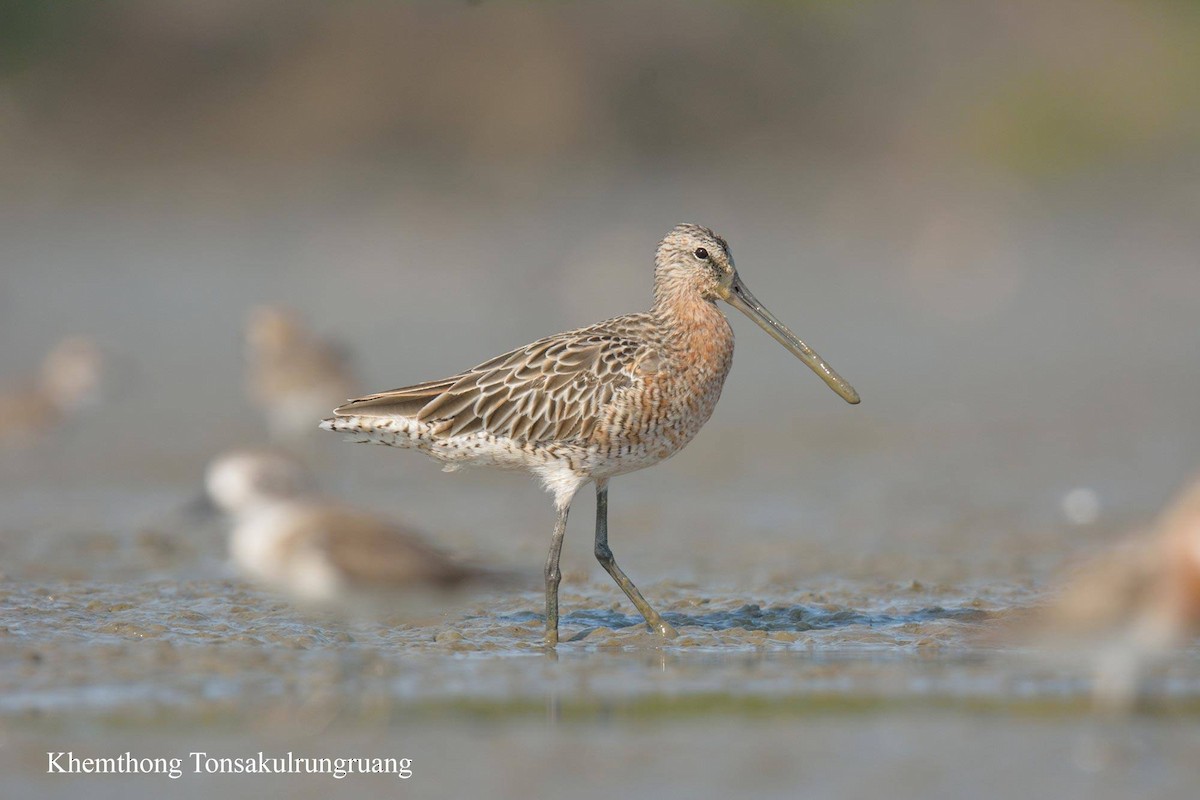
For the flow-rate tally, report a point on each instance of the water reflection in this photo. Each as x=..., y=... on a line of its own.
x=752, y=617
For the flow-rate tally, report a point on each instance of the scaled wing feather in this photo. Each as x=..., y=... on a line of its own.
x=554, y=388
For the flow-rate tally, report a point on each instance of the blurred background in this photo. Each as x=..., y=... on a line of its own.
x=986, y=216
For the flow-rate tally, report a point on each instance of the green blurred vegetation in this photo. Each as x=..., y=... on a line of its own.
x=31, y=30
x=1035, y=89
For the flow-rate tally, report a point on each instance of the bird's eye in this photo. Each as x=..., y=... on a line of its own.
x=701, y=254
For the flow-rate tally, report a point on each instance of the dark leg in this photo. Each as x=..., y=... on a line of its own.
x=605, y=556
x=554, y=575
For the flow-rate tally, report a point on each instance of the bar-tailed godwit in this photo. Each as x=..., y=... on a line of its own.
x=593, y=403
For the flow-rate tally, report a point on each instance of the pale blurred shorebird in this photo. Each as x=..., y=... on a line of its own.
x=293, y=375
x=68, y=380
x=288, y=538
x=593, y=403
x=1131, y=606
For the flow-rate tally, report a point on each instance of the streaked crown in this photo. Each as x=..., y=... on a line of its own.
x=692, y=257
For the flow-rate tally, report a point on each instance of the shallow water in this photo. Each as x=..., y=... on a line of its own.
x=132, y=637
x=836, y=574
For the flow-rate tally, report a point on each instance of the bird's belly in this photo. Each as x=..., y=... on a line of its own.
x=652, y=425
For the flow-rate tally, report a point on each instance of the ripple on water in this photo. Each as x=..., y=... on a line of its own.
x=772, y=619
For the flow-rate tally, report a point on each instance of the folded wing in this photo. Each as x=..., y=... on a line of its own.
x=552, y=389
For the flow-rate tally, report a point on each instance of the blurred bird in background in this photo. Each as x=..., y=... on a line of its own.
x=68, y=381
x=287, y=537
x=293, y=376
x=1130, y=607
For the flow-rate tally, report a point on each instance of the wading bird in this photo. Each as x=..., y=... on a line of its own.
x=593, y=403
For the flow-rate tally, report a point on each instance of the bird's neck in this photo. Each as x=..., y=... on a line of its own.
x=692, y=322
